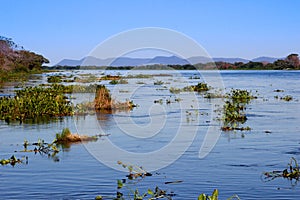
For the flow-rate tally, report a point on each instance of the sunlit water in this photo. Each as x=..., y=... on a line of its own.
x=234, y=166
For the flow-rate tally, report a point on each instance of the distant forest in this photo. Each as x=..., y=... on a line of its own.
x=291, y=62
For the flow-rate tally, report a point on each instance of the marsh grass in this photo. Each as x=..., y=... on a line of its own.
x=67, y=137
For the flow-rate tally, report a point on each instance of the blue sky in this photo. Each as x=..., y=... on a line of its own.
x=61, y=29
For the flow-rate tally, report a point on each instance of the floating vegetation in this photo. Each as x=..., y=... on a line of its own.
x=43, y=148
x=214, y=196
x=278, y=90
x=284, y=98
x=200, y=87
x=175, y=90
x=158, y=82
x=287, y=98
x=35, y=103
x=121, y=81
x=54, y=79
x=194, y=77
x=88, y=78
x=229, y=128
x=12, y=161
x=146, y=75
x=67, y=137
x=240, y=96
x=234, y=110
x=110, y=77
x=167, y=101
x=113, y=82
x=102, y=102
x=134, y=171
x=210, y=95
x=91, y=88
x=292, y=172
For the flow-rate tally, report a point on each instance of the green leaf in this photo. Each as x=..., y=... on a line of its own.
x=215, y=194
x=150, y=192
x=202, y=197
x=120, y=184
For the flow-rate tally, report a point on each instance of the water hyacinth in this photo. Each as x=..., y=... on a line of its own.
x=35, y=102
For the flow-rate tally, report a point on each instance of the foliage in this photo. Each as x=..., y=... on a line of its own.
x=13, y=58
x=158, y=82
x=291, y=172
x=240, y=96
x=134, y=171
x=103, y=100
x=54, y=79
x=67, y=137
x=234, y=110
x=12, y=161
x=110, y=77
x=200, y=87
x=214, y=196
x=35, y=103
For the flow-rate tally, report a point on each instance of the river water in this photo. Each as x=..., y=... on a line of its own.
x=177, y=139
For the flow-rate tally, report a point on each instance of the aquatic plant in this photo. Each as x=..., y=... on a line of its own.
x=287, y=98
x=67, y=137
x=113, y=82
x=200, y=87
x=134, y=171
x=12, y=161
x=175, y=90
x=291, y=172
x=240, y=96
x=35, y=103
x=103, y=100
x=54, y=79
x=110, y=77
x=158, y=82
x=215, y=196
x=234, y=110
x=86, y=78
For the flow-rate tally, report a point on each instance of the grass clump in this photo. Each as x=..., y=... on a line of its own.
x=103, y=102
x=67, y=137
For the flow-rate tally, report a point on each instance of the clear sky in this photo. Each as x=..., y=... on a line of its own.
x=60, y=29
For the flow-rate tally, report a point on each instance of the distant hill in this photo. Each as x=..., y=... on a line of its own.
x=265, y=59
x=165, y=60
x=230, y=60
